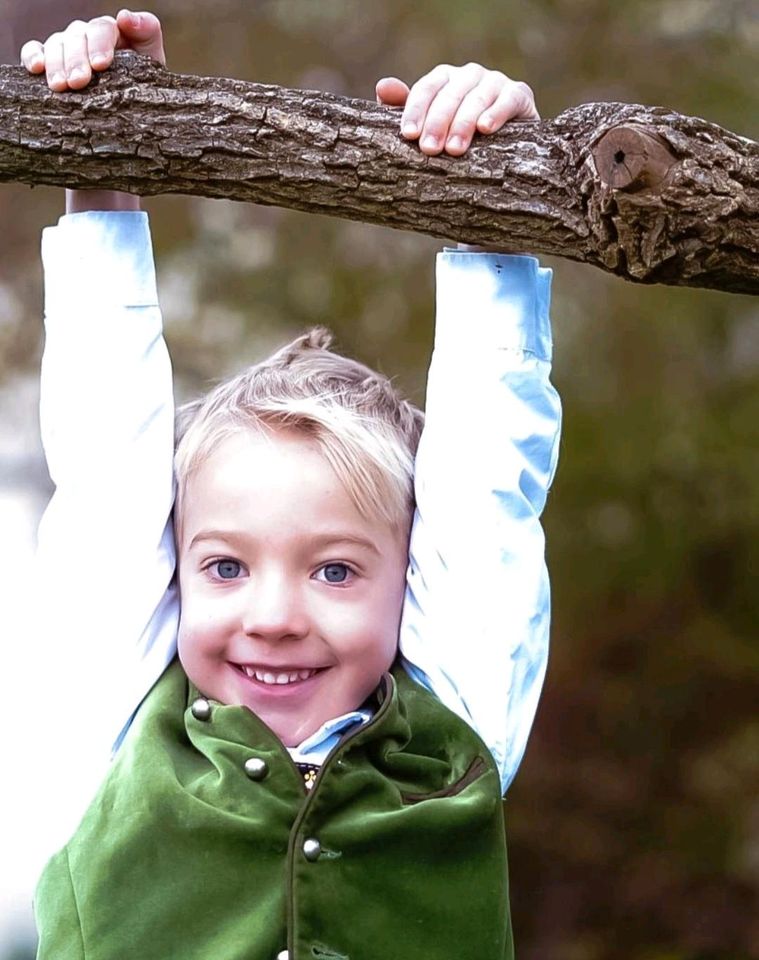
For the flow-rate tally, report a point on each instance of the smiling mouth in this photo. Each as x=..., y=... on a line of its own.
x=278, y=677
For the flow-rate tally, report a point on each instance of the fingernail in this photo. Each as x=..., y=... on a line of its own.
x=486, y=123
x=430, y=142
x=409, y=128
x=58, y=78
x=76, y=74
x=455, y=143
x=99, y=60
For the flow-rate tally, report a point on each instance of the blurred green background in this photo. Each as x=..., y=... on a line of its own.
x=633, y=824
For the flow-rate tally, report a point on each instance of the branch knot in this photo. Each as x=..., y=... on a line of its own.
x=630, y=158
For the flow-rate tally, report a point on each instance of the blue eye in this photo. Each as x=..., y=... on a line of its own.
x=335, y=572
x=227, y=569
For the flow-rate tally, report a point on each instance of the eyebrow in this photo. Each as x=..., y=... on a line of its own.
x=321, y=540
x=228, y=535
x=327, y=539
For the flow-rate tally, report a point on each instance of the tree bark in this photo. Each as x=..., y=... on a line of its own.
x=641, y=192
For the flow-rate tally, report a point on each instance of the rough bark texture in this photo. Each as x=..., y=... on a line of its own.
x=644, y=193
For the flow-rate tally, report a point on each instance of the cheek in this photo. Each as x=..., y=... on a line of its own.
x=198, y=606
x=391, y=598
x=392, y=609
x=187, y=641
x=389, y=613
x=386, y=620
x=202, y=649
x=200, y=627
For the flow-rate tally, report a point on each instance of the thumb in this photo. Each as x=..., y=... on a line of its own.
x=391, y=91
x=141, y=32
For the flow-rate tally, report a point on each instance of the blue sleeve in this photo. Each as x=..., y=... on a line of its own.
x=107, y=419
x=476, y=619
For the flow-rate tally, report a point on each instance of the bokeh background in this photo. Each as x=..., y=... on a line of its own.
x=633, y=824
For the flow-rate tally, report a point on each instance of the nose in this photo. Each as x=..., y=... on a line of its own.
x=274, y=609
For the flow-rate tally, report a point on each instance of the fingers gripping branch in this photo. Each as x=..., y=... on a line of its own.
x=69, y=57
x=447, y=106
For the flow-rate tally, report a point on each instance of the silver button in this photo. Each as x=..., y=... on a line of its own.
x=283, y=955
x=311, y=849
x=256, y=768
x=201, y=709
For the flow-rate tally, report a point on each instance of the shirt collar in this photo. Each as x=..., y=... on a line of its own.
x=314, y=749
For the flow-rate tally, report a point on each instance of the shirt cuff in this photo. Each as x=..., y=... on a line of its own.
x=105, y=256
x=493, y=300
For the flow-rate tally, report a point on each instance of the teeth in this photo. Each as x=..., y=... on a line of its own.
x=264, y=676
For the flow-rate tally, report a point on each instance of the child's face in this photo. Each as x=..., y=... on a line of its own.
x=282, y=579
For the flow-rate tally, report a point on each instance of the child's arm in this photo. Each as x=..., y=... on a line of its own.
x=106, y=553
x=476, y=617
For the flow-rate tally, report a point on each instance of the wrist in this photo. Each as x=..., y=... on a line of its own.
x=79, y=201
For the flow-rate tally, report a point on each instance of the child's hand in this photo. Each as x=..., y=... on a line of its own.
x=69, y=57
x=445, y=108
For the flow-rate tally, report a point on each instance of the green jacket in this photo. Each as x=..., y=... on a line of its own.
x=397, y=851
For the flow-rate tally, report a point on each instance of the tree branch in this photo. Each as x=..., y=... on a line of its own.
x=641, y=192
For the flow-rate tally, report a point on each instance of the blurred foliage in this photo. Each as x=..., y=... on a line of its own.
x=634, y=829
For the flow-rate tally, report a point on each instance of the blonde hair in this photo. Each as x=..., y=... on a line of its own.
x=355, y=417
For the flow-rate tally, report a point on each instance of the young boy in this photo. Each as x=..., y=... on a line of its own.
x=281, y=791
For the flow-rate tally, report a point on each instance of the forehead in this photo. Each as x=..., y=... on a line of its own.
x=271, y=483
x=256, y=452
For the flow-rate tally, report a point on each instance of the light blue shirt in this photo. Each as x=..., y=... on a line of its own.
x=476, y=615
